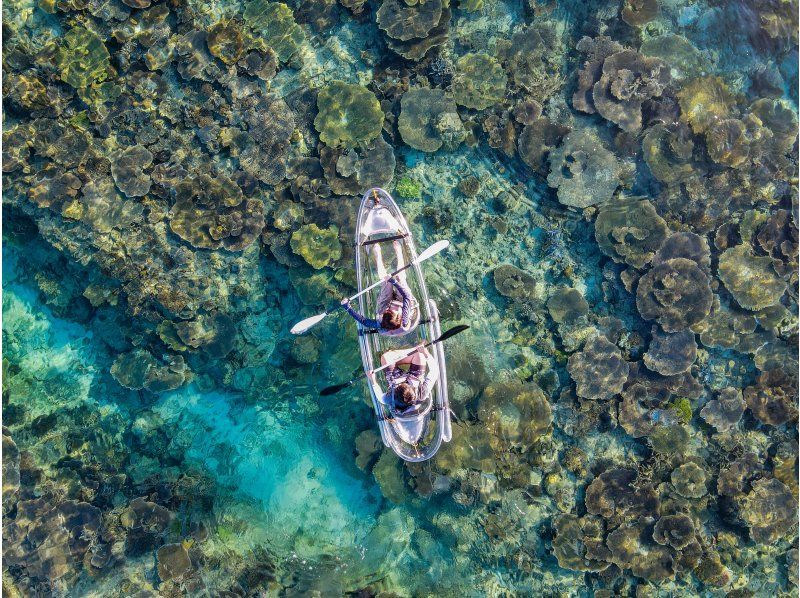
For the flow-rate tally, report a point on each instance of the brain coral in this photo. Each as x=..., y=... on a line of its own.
x=750, y=278
x=676, y=293
x=583, y=170
x=317, y=246
x=599, y=371
x=629, y=230
x=210, y=212
x=479, y=81
x=348, y=115
x=423, y=116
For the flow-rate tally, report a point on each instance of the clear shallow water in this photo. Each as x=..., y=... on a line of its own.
x=152, y=387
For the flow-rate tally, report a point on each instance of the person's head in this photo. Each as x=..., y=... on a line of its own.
x=404, y=393
x=391, y=320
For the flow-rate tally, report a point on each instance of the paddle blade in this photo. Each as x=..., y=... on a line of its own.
x=437, y=247
x=304, y=325
x=452, y=332
x=332, y=390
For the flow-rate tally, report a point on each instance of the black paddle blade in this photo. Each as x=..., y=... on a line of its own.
x=332, y=390
x=452, y=332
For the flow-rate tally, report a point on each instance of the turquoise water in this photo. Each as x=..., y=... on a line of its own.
x=618, y=181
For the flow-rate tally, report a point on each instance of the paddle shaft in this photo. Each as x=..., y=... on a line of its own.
x=380, y=282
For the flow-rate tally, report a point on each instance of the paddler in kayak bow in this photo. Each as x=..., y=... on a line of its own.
x=395, y=300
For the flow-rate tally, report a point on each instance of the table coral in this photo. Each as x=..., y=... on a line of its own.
x=348, y=115
x=479, y=81
x=317, y=246
x=675, y=293
x=424, y=117
x=599, y=371
x=750, y=278
x=629, y=230
x=583, y=171
x=725, y=411
x=82, y=58
x=275, y=22
x=670, y=354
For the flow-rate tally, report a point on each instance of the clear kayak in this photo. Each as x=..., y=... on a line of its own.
x=418, y=435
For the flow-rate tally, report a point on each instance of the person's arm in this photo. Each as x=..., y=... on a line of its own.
x=432, y=375
x=406, y=311
x=365, y=322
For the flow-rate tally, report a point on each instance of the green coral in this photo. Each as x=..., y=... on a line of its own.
x=682, y=407
x=317, y=246
x=82, y=58
x=408, y=188
x=479, y=81
x=275, y=22
x=348, y=115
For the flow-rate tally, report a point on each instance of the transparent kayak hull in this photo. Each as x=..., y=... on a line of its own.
x=415, y=437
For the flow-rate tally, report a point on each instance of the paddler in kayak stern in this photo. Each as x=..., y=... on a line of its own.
x=395, y=300
x=408, y=388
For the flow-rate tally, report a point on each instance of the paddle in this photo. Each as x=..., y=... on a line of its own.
x=304, y=325
x=332, y=390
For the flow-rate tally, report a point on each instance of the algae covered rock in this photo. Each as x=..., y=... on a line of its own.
x=319, y=247
x=750, y=278
x=348, y=115
x=629, y=230
x=583, y=171
x=82, y=58
x=599, y=371
x=479, y=81
x=428, y=120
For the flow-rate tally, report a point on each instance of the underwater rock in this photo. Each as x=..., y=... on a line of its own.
x=583, y=170
x=675, y=293
x=670, y=354
x=599, y=371
x=628, y=79
x=348, y=115
x=637, y=13
x=173, y=561
x=479, y=81
x=770, y=510
x=127, y=168
x=772, y=400
x=750, y=278
x=211, y=213
x=689, y=480
x=629, y=230
x=317, y=246
x=428, y=120
x=668, y=151
x=566, y=306
x=579, y=543
x=704, y=101
x=725, y=411
x=513, y=283
x=82, y=58
x=274, y=22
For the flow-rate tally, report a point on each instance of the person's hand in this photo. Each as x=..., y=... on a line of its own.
x=345, y=302
x=387, y=278
x=371, y=375
x=421, y=348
